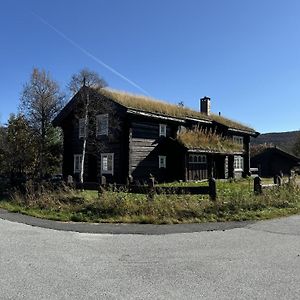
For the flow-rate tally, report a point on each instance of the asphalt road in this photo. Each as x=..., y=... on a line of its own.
x=258, y=261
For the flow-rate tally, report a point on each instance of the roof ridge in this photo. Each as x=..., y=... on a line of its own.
x=131, y=100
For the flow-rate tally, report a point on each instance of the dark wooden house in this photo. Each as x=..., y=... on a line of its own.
x=130, y=136
x=273, y=160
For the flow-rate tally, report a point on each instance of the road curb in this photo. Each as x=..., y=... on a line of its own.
x=121, y=228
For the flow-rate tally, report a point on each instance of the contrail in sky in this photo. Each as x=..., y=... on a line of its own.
x=87, y=53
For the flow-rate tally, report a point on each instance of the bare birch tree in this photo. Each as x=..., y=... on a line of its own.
x=82, y=82
x=41, y=100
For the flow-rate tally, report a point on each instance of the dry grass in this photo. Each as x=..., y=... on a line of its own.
x=204, y=139
x=235, y=201
x=231, y=123
x=148, y=104
x=151, y=105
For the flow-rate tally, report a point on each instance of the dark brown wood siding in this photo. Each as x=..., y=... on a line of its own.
x=145, y=147
x=116, y=143
x=197, y=171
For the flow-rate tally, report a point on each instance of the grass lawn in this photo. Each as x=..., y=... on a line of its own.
x=235, y=201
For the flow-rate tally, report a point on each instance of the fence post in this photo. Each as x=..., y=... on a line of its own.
x=151, y=188
x=102, y=185
x=257, y=185
x=70, y=181
x=277, y=179
x=129, y=180
x=212, y=189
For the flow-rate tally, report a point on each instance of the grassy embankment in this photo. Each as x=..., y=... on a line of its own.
x=235, y=202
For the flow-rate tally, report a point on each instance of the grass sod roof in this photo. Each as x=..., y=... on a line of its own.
x=151, y=105
x=202, y=139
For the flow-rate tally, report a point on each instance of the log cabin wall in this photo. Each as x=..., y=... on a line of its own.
x=145, y=147
x=114, y=142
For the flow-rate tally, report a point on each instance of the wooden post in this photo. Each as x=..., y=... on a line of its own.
x=277, y=180
x=129, y=180
x=257, y=185
x=151, y=188
x=212, y=189
x=103, y=180
x=102, y=185
x=70, y=181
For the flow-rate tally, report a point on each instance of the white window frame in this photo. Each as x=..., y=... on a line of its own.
x=77, y=163
x=198, y=159
x=102, y=120
x=238, y=139
x=106, y=171
x=238, y=163
x=162, y=161
x=162, y=130
x=81, y=128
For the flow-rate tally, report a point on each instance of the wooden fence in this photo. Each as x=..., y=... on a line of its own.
x=151, y=189
x=278, y=181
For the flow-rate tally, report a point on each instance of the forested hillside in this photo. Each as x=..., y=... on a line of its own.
x=284, y=140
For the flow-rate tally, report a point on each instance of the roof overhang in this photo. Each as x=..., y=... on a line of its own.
x=251, y=133
x=153, y=115
x=207, y=151
x=198, y=120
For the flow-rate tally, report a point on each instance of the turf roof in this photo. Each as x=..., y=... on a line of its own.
x=151, y=105
x=202, y=139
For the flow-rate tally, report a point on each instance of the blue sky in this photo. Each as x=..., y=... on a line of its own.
x=245, y=55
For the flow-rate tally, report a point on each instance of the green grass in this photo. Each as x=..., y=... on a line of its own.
x=235, y=202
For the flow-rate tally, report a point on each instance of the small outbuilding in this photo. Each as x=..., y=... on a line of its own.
x=273, y=160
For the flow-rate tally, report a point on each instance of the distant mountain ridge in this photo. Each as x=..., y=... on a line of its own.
x=283, y=140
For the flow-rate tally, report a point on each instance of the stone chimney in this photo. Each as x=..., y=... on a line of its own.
x=205, y=105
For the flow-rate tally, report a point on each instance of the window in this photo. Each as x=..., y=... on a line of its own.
x=107, y=163
x=162, y=161
x=102, y=124
x=238, y=163
x=238, y=139
x=162, y=130
x=77, y=163
x=198, y=159
x=81, y=125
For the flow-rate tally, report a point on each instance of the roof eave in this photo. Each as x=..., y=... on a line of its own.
x=248, y=132
x=153, y=115
x=207, y=151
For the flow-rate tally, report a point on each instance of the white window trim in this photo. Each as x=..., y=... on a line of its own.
x=238, y=139
x=111, y=172
x=164, y=164
x=203, y=159
x=81, y=128
x=102, y=131
x=238, y=163
x=162, y=130
x=77, y=156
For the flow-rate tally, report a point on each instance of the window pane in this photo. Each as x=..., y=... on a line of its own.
x=104, y=163
x=77, y=163
x=162, y=161
x=162, y=129
x=102, y=124
x=81, y=128
x=107, y=163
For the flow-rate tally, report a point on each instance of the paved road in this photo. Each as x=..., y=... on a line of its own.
x=258, y=261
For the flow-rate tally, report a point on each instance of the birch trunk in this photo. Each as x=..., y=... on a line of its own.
x=85, y=136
